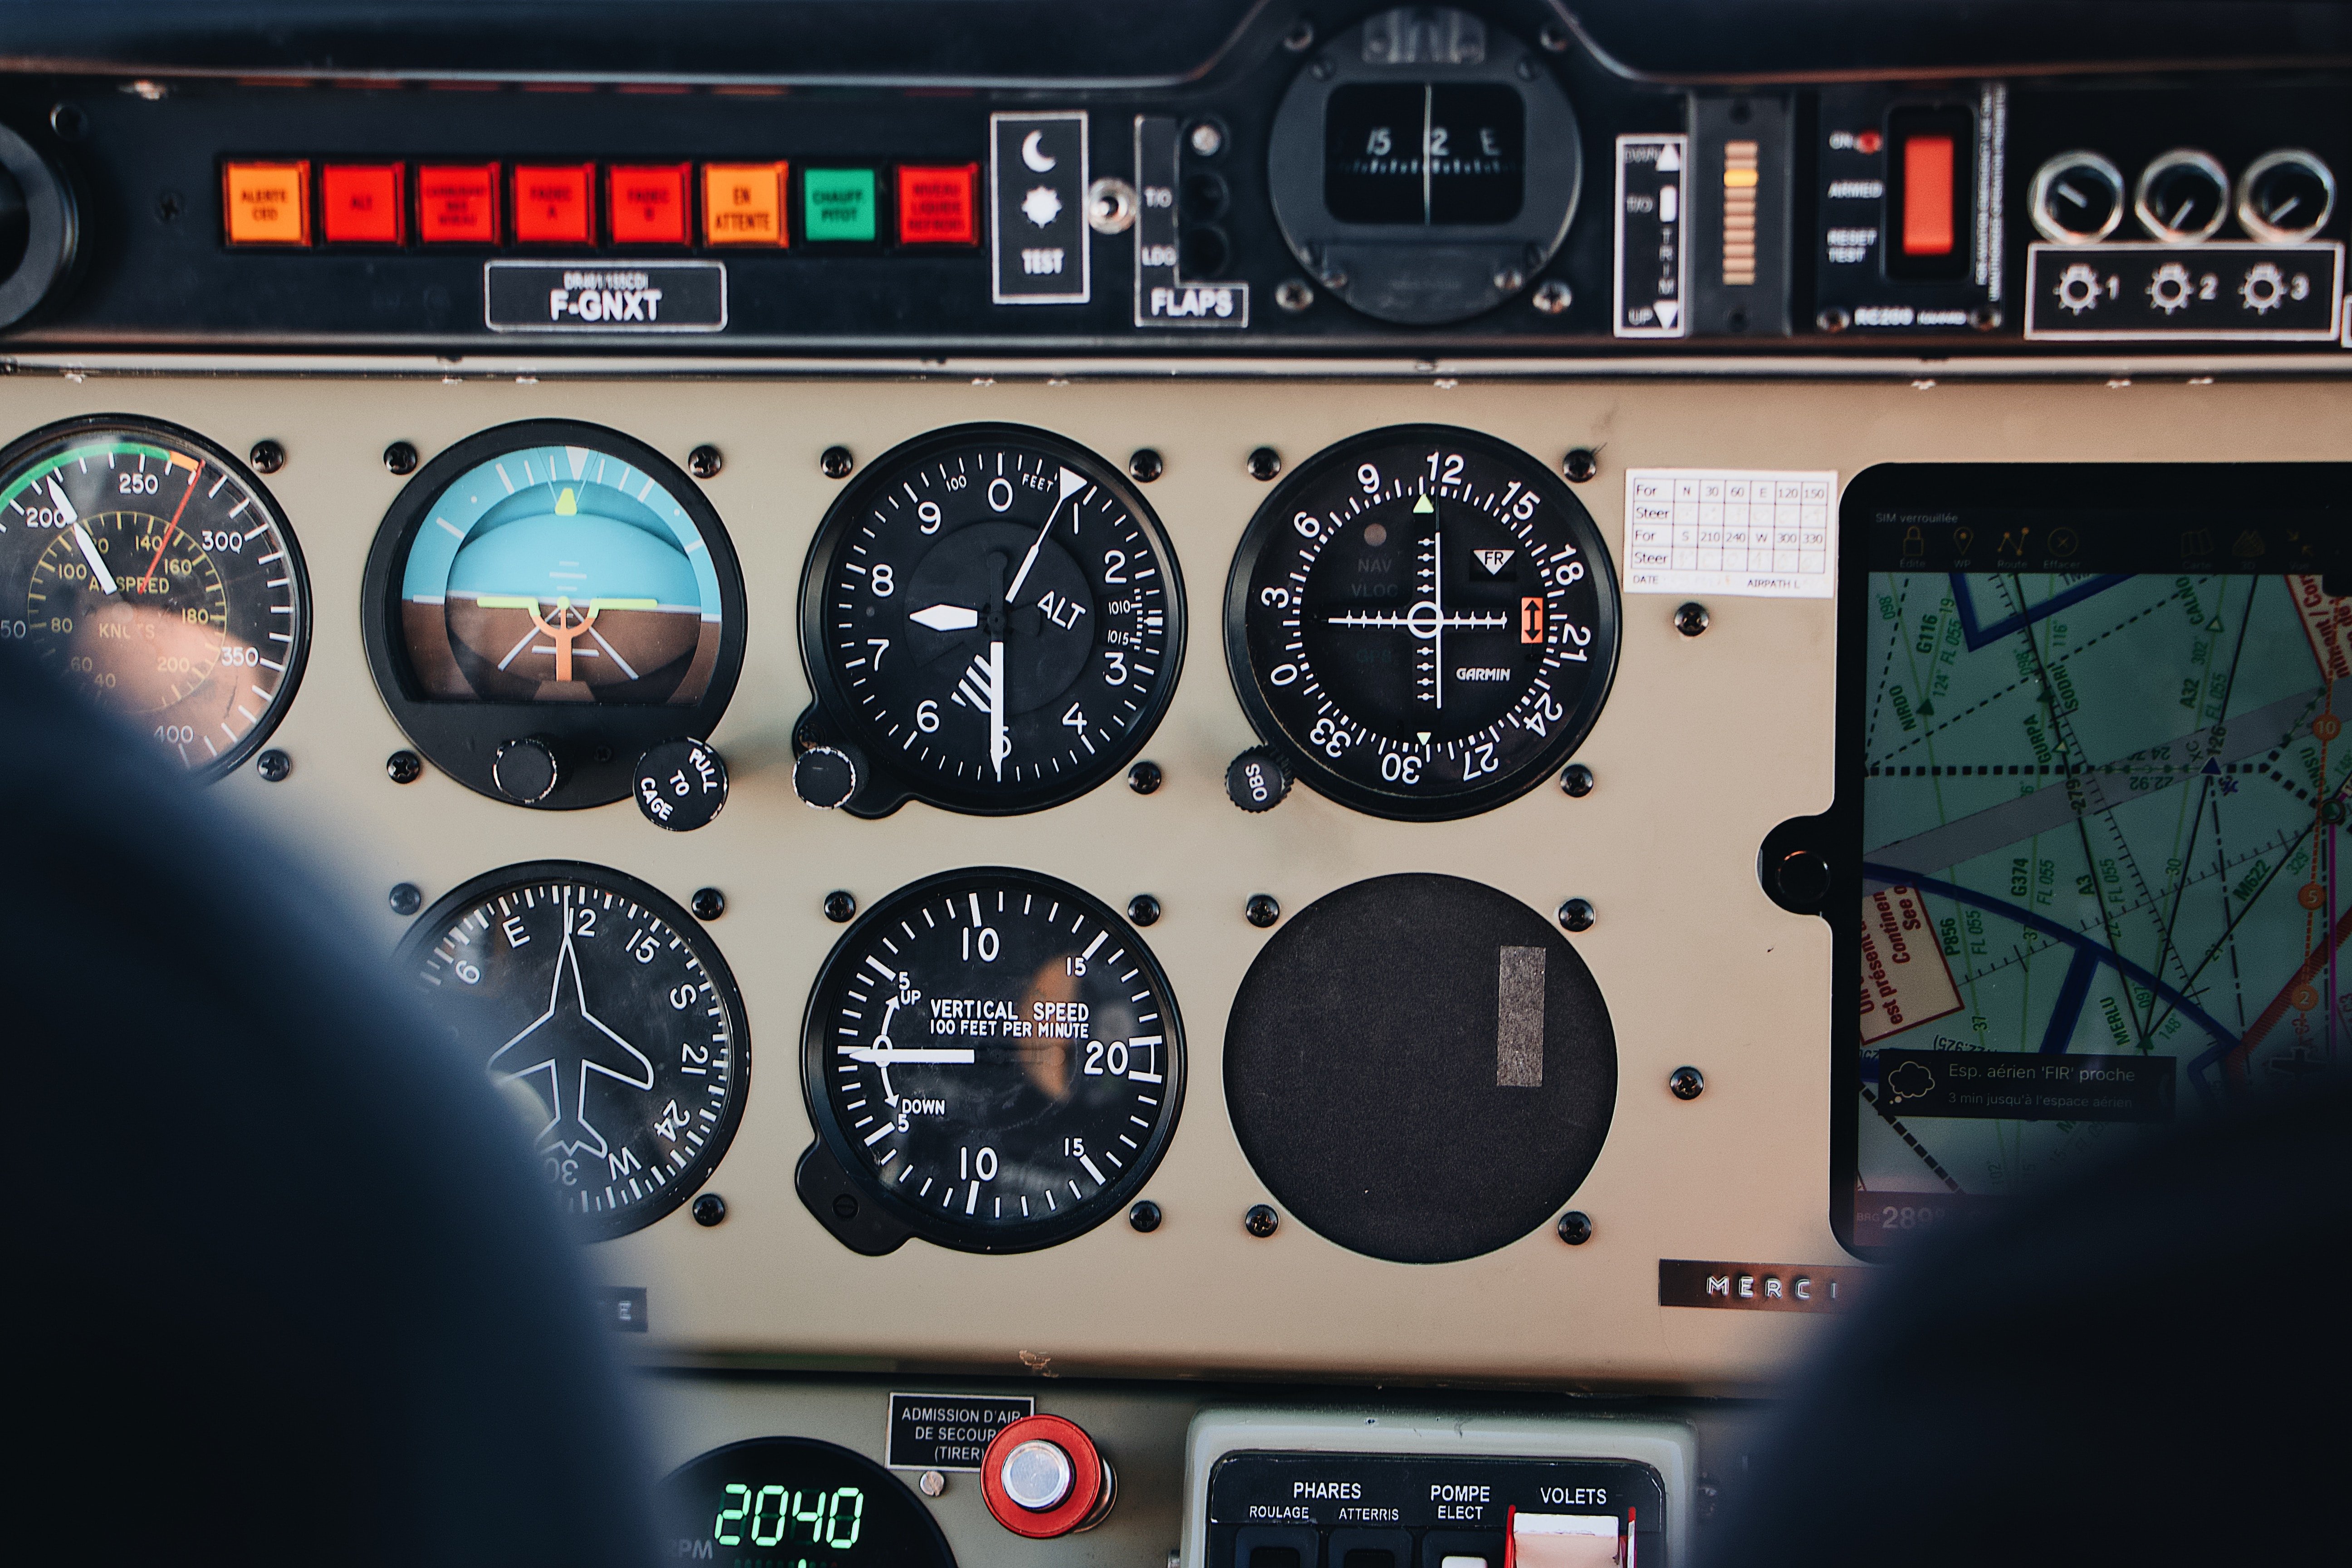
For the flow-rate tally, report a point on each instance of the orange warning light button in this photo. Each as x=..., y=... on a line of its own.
x=743, y=204
x=265, y=204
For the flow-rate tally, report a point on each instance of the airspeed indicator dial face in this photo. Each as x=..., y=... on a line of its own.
x=1423, y=620
x=148, y=570
x=992, y=619
x=606, y=1016
x=995, y=1057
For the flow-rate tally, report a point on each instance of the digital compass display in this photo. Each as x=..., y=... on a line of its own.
x=1423, y=621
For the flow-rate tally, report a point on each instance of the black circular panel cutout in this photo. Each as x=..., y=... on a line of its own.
x=1421, y=1068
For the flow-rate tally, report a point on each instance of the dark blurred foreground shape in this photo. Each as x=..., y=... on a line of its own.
x=2152, y=1365
x=283, y=1288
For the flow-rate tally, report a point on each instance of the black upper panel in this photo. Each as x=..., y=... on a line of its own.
x=1791, y=178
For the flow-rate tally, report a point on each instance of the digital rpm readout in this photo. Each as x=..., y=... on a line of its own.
x=149, y=571
x=1423, y=621
x=607, y=1014
x=993, y=1062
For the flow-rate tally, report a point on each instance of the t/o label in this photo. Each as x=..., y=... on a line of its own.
x=948, y=1431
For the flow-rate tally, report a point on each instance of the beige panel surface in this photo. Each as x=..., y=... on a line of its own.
x=1705, y=745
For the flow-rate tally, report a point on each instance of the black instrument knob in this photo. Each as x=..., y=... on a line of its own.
x=680, y=784
x=824, y=777
x=1257, y=779
x=525, y=770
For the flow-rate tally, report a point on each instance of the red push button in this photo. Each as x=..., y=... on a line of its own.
x=458, y=204
x=648, y=203
x=939, y=206
x=362, y=203
x=1043, y=1477
x=555, y=205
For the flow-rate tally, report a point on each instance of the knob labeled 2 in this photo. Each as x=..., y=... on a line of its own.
x=1043, y=1477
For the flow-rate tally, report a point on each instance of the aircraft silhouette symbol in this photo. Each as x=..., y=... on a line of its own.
x=565, y=1035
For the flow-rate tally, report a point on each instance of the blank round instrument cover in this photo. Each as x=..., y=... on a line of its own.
x=1421, y=1068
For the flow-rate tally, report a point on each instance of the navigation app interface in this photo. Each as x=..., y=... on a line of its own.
x=2105, y=771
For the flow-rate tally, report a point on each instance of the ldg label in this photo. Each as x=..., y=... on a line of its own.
x=631, y=297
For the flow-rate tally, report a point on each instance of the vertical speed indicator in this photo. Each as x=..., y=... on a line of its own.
x=992, y=622
x=1423, y=621
x=993, y=1062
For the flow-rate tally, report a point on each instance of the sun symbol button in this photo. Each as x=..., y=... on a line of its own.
x=1041, y=205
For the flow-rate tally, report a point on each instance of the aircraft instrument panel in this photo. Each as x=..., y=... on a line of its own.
x=1264, y=789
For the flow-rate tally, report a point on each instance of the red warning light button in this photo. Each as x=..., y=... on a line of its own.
x=458, y=204
x=939, y=206
x=555, y=205
x=648, y=203
x=362, y=203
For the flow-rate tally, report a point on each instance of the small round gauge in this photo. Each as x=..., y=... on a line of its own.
x=2078, y=198
x=2182, y=196
x=607, y=1014
x=1422, y=621
x=992, y=622
x=148, y=570
x=2286, y=197
x=798, y=1502
x=558, y=589
x=992, y=1058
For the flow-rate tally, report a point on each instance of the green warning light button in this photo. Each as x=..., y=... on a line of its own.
x=837, y=204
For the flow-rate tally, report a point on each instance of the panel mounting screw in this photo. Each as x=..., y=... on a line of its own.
x=1576, y=1228
x=1206, y=138
x=1144, y=777
x=840, y=907
x=404, y=767
x=836, y=462
x=1552, y=297
x=1144, y=1216
x=1686, y=1083
x=704, y=462
x=1262, y=910
x=1261, y=1221
x=1264, y=463
x=1300, y=38
x=405, y=898
x=1145, y=466
x=1577, y=780
x=710, y=1209
x=1294, y=294
x=933, y=1483
x=1581, y=465
x=400, y=457
x=1576, y=915
x=266, y=456
x=1690, y=619
x=707, y=903
x=1143, y=909
x=273, y=766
